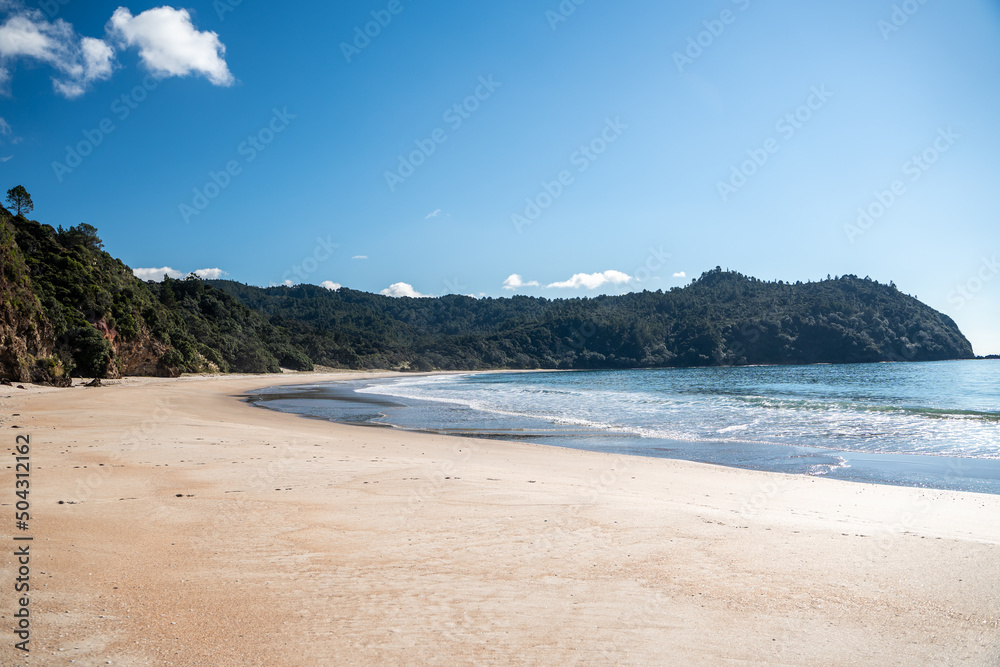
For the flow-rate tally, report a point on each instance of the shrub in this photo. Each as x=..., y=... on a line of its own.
x=91, y=352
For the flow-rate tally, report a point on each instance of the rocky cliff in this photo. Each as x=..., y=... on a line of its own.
x=68, y=308
x=26, y=335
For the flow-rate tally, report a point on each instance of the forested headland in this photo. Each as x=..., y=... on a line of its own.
x=68, y=308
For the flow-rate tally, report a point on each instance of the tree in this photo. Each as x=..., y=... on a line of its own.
x=82, y=235
x=19, y=199
x=91, y=351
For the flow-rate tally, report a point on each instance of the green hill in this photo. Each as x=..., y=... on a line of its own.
x=67, y=308
x=721, y=318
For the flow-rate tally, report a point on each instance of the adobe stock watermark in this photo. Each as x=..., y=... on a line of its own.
x=582, y=159
x=264, y=479
x=560, y=528
x=52, y=7
x=121, y=108
x=461, y=453
x=363, y=35
x=787, y=126
x=131, y=441
x=911, y=513
x=900, y=16
x=886, y=534
x=455, y=286
x=579, y=336
x=714, y=28
x=989, y=268
x=562, y=13
x=914, y=168
x=768, y=489
x=310, y=264
x=748, y=336
x=655, y=261
x=223, y=7
x=455, y=116
x=249, y=150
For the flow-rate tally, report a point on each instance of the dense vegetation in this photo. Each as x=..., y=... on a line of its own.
x=68, y=308
x=721, y=318
x=25, y=333
x=105, y=322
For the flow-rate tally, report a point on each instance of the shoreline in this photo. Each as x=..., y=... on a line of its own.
x=923, y=470
x=198, y=529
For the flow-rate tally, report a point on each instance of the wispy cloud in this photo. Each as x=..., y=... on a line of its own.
x=515, y=281
x=593, y=280
x=360, y=257
x=168, y=43
x=5, y=131
x=29, y=35
x=432, y=215
x=403, y=289
x=5, y=136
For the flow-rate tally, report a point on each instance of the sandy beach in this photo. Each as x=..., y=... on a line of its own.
x=174, y=524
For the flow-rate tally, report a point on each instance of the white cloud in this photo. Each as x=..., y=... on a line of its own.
x=5, y=158
x=514, y=281
x=169, y=44
x=402, y=289
x=98, y=58
x=330, y=285
x=360, y=257
x=29, y=35
x=156, y=275
x=681, y=274
x=209, y=274
x=5, y=129
x=593, y=280
x=432, y=215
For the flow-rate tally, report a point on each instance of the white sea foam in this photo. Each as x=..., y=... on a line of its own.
x=838, y=413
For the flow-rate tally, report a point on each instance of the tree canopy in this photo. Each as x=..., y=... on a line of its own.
x=723, y=318
x=19, y=200
x=105, y=321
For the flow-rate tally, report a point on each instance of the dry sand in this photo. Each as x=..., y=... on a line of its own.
x=198, y=530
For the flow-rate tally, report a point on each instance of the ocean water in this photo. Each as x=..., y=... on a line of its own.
x=920, y=424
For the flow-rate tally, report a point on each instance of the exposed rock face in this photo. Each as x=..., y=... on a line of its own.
x=108, y=323
x=28, y=344
x=26, y=336
x=138, y=357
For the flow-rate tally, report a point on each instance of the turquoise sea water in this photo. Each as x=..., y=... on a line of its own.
x=928, y=424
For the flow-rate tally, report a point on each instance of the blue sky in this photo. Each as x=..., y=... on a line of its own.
x=595, y=148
